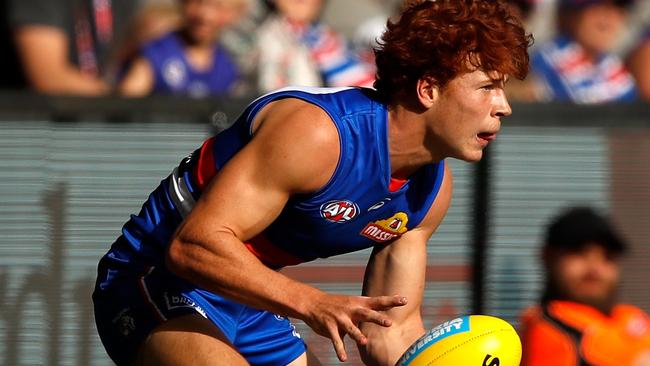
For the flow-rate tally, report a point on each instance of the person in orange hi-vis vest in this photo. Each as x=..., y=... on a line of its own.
x=579, y=322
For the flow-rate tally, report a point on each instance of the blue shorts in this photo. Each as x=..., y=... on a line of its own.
x=128, y=307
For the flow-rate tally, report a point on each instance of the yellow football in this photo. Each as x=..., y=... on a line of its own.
x=474, y=340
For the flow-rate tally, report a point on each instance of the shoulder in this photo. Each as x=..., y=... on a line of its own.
x=298, y=123
x=162, y=42
x=297, y=114
x=301, y=138
x=543, y=343
x=626, y=313
x=629, y=309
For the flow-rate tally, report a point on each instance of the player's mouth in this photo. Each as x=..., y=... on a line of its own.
x=486, y=137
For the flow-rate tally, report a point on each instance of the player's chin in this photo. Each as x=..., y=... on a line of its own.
x=471, y=156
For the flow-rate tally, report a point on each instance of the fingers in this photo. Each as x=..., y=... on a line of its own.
x=337, y=342
x=386, y=302
x=337, y=339
x=367, y=315
x=355, y=333
x=356, y=310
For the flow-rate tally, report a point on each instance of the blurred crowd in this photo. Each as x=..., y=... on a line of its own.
x=592, y=51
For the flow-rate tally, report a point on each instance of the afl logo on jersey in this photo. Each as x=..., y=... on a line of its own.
x=339, y=211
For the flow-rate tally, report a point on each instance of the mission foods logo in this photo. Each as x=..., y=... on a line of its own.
x=386, y=230
x=339, y=211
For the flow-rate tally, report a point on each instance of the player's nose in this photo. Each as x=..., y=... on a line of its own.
x=501, y=105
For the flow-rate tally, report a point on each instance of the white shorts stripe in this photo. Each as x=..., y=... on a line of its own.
x=145, y=291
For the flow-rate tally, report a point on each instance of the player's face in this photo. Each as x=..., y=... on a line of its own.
x=588, y=276
x=302, y=11
x=205, y=18
x=467, y=114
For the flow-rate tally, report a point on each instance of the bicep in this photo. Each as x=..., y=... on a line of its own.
x=250, y=191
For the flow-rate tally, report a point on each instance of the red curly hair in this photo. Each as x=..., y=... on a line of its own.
x=441, y=39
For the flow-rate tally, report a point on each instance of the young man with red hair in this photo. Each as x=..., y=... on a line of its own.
x=306, y=174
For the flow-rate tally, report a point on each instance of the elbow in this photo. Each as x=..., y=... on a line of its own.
x=177, y=258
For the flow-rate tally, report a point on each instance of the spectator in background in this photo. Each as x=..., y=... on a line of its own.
x=527, y=90
x=294, y=48
x=368, y=32
x=579, y=321
x=241, y=41
x=189, y=60
x=65, y=46
x=578, y=64
x=639, y=64
x=153, y=19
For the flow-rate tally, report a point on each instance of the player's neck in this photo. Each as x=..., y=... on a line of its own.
x=207, y=44
x=407, y=142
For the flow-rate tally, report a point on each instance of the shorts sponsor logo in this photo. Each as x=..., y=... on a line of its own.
x=440, y=332
x=180, y=301
x=339, y=211
x=294, y=332
x=388, y=229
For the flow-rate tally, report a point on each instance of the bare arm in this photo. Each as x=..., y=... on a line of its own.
x=44, y=54
x=284, y=157
x=139, y=80
x=400, y=268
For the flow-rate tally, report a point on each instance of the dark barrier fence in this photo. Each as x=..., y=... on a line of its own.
x=73, y=169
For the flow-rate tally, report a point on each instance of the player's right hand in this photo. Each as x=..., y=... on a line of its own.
x=334, y=316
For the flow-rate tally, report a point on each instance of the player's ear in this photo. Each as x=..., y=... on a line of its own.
x=427, y=91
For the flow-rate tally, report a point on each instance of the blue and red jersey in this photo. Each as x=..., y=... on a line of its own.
x=361, y=206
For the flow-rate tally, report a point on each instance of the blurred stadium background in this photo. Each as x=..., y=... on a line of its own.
x=72, y=169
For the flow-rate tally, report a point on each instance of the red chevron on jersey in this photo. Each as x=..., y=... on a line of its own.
x=205, y=167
